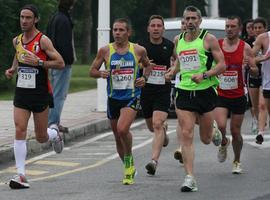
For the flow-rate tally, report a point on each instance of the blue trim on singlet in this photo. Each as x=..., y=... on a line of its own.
x=126, y=93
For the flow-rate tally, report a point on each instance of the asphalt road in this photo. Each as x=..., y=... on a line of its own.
x=90, y=169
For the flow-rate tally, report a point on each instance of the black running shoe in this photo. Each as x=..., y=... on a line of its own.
x=259, y=139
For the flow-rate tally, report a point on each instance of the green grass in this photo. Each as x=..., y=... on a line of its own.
x=80, y=81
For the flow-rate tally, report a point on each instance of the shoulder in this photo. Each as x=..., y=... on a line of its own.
x=138, y=48
x=168, y=42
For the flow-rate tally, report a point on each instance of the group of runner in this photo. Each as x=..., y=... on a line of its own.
x=211, y=87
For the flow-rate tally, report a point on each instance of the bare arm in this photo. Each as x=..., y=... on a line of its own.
x=248, y=54
x=258, y=45
x=10, y=72
x=145, y=63
x=94, y=70
x=211, y=43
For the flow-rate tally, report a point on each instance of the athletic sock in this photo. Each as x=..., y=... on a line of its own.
x=20, y=155
x=52, y=133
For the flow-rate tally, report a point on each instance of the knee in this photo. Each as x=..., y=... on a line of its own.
x=122, y=131
x=186, y=137
x=157, y=125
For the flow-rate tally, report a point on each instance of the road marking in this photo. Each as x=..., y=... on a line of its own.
x=30, y=172
x=97, y=164
x=56, y=163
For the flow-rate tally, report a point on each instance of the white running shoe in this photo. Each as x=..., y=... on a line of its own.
x=222, y=151
x=189, y=184
x=19, y=182
x=217, y=136
x=237, y=168
x=57, y=143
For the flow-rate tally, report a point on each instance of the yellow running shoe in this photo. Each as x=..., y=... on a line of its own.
x=129, y=174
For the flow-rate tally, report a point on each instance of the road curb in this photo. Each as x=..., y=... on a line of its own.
x=33, y=147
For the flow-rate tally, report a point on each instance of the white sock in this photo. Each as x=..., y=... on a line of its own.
x=20, y=155
x=52, y=134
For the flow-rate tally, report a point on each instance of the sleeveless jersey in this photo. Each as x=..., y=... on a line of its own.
x=161, y=55
x=232, y=80
x=266, y=69
x=124, y=70
x=31, y=79
x=194, y=59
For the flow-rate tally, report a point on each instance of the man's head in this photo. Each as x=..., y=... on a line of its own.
x=233, y=27
x=155, y=26
x=183, y=25
x=29, y=17
x=259, y=26
x=121, y=30
x=66, y=4
x=193, y=18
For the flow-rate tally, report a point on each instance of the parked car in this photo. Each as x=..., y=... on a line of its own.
x=215, y=26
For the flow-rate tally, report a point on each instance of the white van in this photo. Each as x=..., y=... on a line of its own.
x=215, y=26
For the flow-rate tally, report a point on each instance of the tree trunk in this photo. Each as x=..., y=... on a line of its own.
x=87, y=26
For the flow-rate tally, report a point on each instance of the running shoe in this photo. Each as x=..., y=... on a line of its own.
x=259, y=139
x=217, y=136
x=166, y=138
x=178, y=155
x=129, y=175
x=151, y=167
x=189, y=184
x=19, y=182
x=237, y=168
x=222, y=151
x=57, y=143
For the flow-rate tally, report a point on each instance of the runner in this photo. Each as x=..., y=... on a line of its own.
x=123, y=88
x=196, y=95
x=155, y=100
x=35, y=54
x=262, y=44
x=231, y=91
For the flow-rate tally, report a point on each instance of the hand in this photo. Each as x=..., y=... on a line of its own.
x=9, y=73
x=197, y=78
x=140, y=82
x=104, y=74
x=31, y=59
x=169, y=75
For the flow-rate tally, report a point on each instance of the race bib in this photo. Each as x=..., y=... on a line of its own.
x=189, y=60
x=27, y=77
x=157, y=75
x=123, y=79
x=228, y=80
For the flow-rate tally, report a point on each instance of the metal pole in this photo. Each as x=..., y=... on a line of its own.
x=103, y=39
x=214, y=12
x=254, y=9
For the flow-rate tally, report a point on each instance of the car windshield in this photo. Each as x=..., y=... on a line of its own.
x=170, y=34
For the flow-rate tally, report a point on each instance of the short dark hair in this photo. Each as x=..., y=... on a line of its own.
x=156, y=17
x=66, y=4
x=32, y=8
x=232, y=17
x=124, y=20
x=192, y=9
x=260, y=20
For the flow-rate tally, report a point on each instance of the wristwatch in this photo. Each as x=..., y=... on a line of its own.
x=40, y=63
x=204, y=75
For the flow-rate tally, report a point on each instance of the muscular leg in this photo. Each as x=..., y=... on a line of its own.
x=237, y=140
x=186, y=121
x=21, y=118
x=119, y=143
x=220, y=115
x=159, y=133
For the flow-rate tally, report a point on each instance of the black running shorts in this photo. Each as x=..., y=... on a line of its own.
x=200, y=101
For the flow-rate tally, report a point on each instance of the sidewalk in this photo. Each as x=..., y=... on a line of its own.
x=78, y=115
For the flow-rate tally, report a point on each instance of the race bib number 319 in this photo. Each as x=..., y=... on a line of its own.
x=26, y=77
